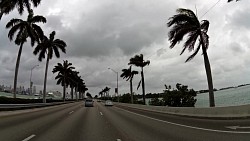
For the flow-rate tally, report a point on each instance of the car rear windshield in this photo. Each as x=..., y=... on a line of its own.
x=88, y=100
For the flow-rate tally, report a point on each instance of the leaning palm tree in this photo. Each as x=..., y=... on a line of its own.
x=129, y=75
x=63, y=77
x=138, y=61
x=185, y=22
x=48, y=47
x=6, y=6
x=24, y=29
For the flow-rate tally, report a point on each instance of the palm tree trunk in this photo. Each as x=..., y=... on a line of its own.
x=64, y=87
x=131, y=90
x=76, y=95
x=17, y=67
x=209, y=76
x=143, y=86
x=71, y=92
x=45, y=79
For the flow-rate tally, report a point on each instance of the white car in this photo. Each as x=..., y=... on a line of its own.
x=108, y=103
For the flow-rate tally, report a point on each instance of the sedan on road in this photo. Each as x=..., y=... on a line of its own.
x=108, y=103
x=89, y=103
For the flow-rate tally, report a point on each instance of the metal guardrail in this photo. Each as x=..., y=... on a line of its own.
x=10, y=107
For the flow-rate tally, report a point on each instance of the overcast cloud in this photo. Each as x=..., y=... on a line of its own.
x=107, y=33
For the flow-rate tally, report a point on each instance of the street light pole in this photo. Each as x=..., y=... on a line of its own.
x=116, y=82
x=31, y=83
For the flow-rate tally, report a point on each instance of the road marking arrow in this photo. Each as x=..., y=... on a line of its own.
x=238, y=127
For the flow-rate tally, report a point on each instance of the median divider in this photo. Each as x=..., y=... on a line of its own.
x=11, y=107
x=231, y=112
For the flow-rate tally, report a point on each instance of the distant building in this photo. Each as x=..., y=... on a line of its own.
x=34, y=90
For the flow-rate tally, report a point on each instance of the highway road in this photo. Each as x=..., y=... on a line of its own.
x=74, y=122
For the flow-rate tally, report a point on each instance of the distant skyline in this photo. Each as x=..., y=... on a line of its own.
x=106, y=34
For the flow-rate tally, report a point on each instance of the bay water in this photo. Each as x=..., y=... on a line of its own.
x=223, y=98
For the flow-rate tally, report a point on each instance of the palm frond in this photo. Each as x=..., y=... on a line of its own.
x=193, y=55
x=205, y=38
x=13, y=22
x=12, y=31
x=204, y=25
x=38, y=19
x=190, y=43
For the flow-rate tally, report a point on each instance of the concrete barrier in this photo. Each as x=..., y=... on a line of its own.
x=230, y=112
x=11, y=107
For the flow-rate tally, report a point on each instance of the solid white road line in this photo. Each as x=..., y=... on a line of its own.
x=30, y=137
x=71, y=112
x=187, y=126
x=101, y=114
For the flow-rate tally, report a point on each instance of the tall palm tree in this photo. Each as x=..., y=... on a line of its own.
x=106, y=91
x=6, y=6
x=101, y=92
x=73, y=83
x=48, y=47
x=81, y=87
x=129, y=75
x=185, y=22
x=24, y=29
x=138, y=61
x=64, y=71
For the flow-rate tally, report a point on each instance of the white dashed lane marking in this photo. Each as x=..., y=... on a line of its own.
x=28, y=138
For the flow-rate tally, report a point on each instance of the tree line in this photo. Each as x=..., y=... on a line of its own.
x=46, y=47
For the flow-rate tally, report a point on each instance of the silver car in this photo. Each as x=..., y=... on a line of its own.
x=108, y=103
x=89, y=103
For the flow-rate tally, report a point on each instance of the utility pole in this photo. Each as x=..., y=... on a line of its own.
x=117, y=92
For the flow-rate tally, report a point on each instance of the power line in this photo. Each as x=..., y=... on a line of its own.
x=210, y=8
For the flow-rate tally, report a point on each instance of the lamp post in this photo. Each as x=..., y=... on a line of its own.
x=116, y=82
x=31, y=83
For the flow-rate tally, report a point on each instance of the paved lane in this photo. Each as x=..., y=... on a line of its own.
x=146, y=128
x=74, y=122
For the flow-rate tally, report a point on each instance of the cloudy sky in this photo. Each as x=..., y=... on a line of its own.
x=107, y=33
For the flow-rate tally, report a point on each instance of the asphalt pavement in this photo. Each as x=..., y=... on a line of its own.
x=74, y=122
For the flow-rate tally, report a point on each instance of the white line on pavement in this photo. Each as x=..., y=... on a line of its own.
x=71, y=112
x=187, y=126
x=101, y=114
x=30, y=137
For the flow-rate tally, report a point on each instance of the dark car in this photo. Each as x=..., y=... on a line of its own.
x=89, y=103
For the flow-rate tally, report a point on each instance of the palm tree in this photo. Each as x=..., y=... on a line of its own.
x=49, y=46
x=129, y=74
x=106, y=91
x=73, y=83
x=138, y=61
x=185, y=22
x=64, y=71
x=24, y=30
x=81, y=87
x=101, y=92
x=6, y=6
